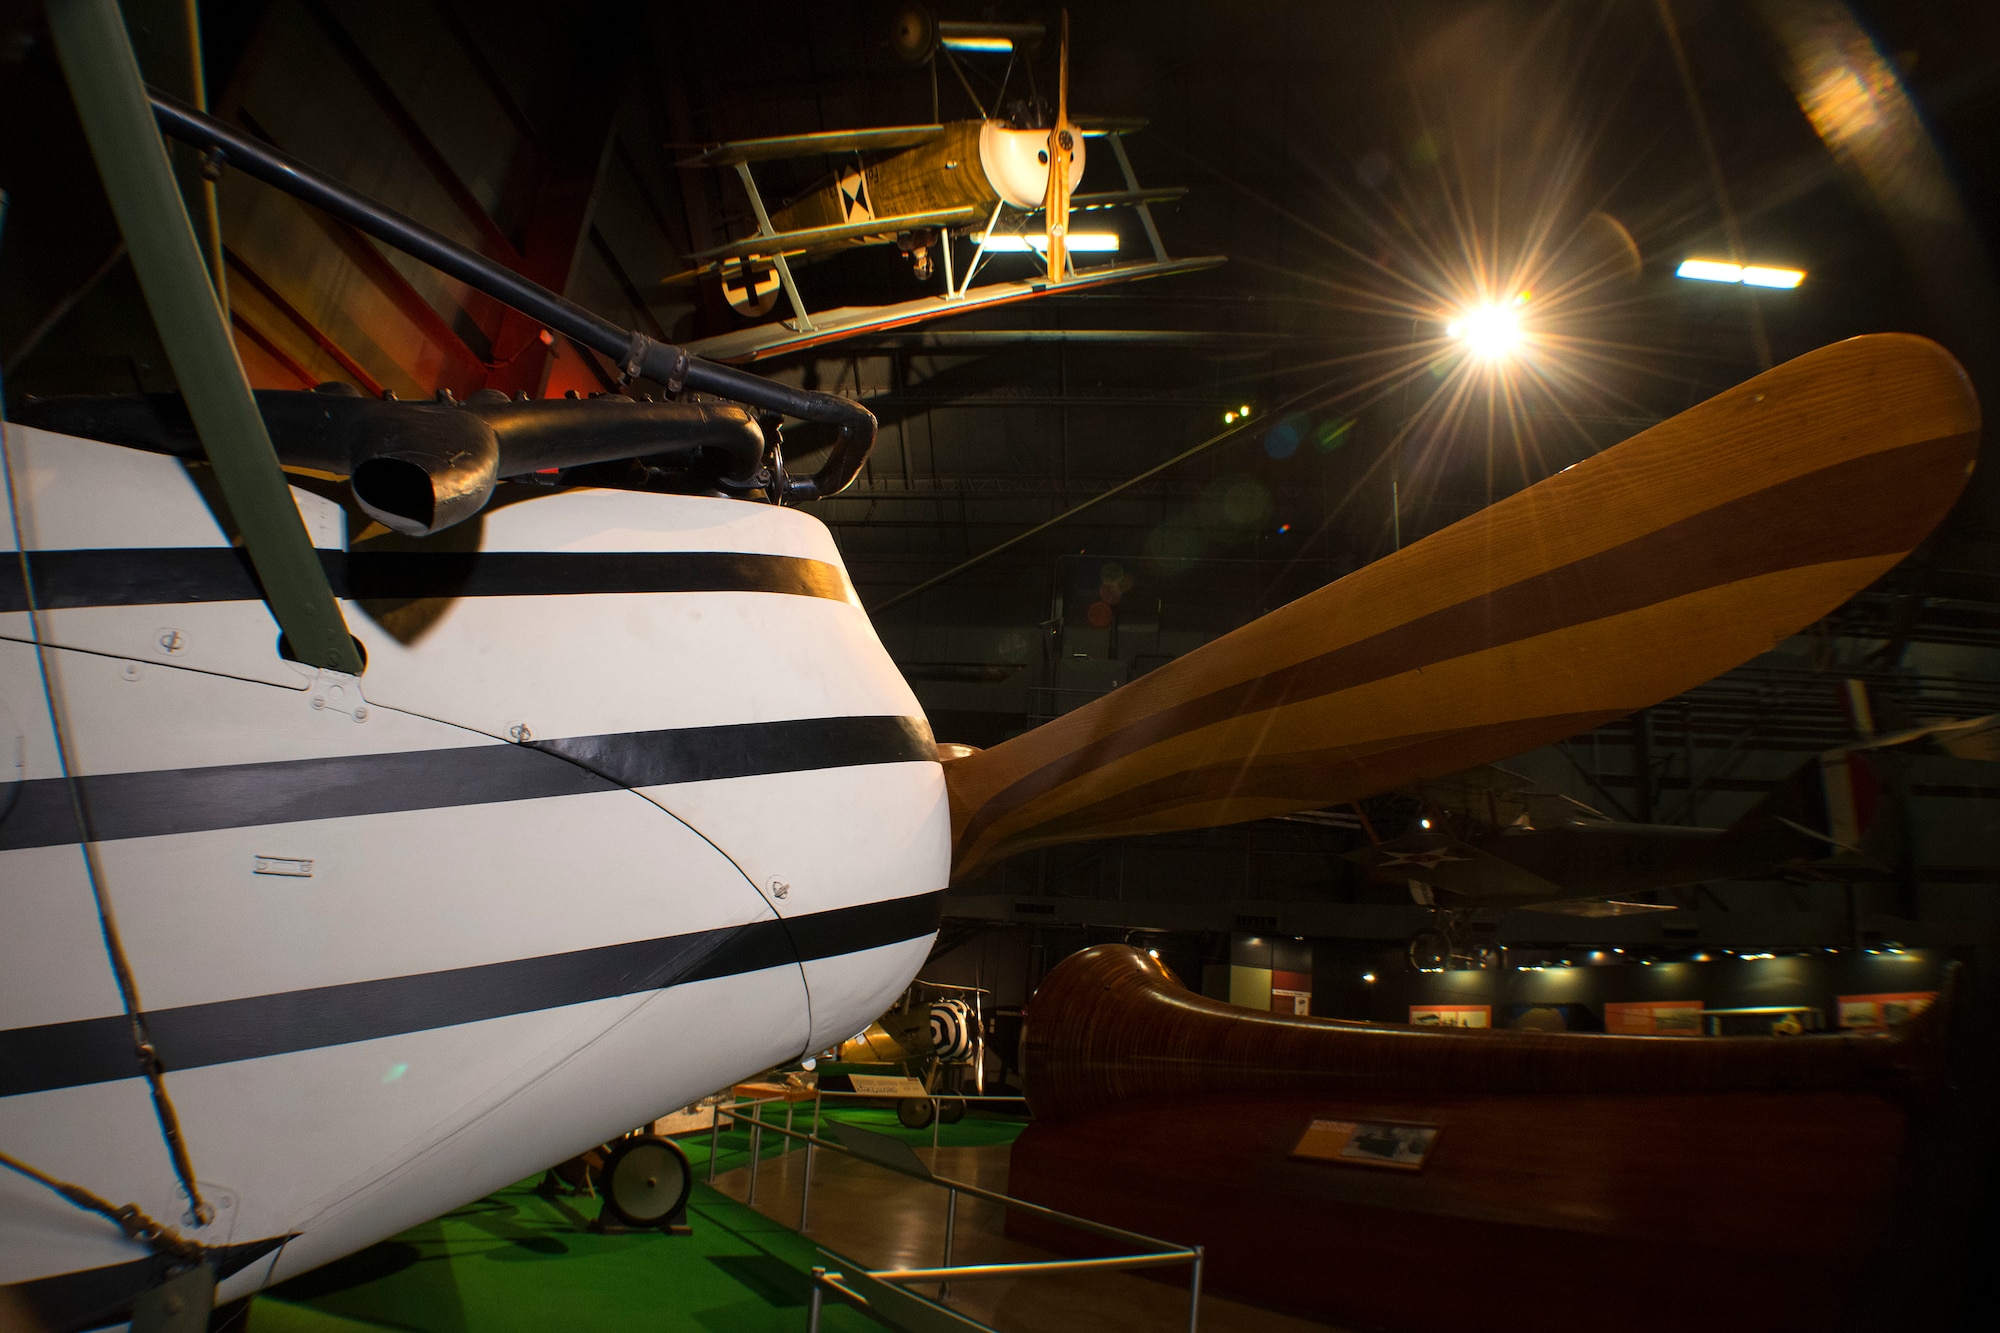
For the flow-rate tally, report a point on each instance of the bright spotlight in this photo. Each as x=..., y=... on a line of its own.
x=1080, y=242
x=1750, y=275
x=1491, y=331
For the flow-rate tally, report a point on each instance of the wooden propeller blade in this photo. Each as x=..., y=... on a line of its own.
x=1062, y=141
x=1622, y=581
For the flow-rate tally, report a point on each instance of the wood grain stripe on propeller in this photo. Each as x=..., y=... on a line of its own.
x=1758, y=534
x=1276, y=784
x=1473, y=709
x=1722, y=530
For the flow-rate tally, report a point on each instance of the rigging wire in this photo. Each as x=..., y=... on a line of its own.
x=142, y=1045
x=131, y=1219
x=1070, y=513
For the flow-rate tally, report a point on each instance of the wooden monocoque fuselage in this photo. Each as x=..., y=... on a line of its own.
x=629, y=803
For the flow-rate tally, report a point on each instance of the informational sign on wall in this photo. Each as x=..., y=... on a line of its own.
x=1451, y=1015
x=1365, y=1143
x=1653, y=1018
x=1878, y=1013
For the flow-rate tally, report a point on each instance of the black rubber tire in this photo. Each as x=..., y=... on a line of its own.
x=645, y=1181
x=915, y=1112
x=1429, y=951
x=1488, y=957
x=952, y=1110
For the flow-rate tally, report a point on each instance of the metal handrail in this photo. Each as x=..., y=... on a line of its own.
x=975, y=1271
x=1165, y=1252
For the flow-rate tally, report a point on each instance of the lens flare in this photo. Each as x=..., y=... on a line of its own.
x=1491, y=331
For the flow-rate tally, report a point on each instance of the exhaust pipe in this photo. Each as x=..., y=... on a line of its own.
x=422, y=470
x=418, y=468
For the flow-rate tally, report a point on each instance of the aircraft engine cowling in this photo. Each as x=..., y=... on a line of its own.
x=1016, y=163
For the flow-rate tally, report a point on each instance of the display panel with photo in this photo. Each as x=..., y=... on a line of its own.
x=1879, y=1013
x=1367, y=1143
x=1451, y=1015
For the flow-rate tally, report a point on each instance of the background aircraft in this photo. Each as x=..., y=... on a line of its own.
x=1489, y=839
x=923, y=188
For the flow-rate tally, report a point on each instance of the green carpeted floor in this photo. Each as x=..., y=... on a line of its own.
x=519, y=1261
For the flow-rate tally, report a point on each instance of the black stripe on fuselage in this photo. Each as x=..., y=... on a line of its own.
x=99, y=1050
x=181, y=574
x=192, y=800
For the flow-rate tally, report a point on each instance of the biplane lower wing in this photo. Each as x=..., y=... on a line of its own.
x=754, y=344
x=806, y=145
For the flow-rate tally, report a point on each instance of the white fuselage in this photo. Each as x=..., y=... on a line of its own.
x=629, y=803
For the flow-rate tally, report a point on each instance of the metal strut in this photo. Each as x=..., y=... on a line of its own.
x=669, y=365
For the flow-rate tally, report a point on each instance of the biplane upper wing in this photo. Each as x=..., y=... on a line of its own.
x=742, y=346
x=1501, y=799
x=822, y=141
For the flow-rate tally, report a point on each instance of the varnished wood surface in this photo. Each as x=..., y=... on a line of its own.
x=1675, y=1211
x=1110, y=1024
x=1624, y=580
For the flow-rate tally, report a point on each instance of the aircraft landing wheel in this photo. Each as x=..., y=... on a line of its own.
x=1488, y=957
x=646, y=1181
x=1429, y=951
x=952, y=1110
x=915, y=1112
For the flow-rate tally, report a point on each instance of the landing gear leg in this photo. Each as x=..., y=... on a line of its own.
x=1438, y=948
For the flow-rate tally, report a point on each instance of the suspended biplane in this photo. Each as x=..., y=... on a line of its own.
x=997, y=185
x=402, y=797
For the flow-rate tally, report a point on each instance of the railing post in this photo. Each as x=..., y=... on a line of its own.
x=814, y=1298
x=789, y=1108
x=950, y=1226
x=756, y=1148
x=937, y=1120
x=806, y=1189
x=714, y=1139
x=1194, y=1293
x=818, y=1097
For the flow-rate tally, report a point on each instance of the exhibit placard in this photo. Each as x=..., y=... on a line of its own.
x=1451, y=1015
x=883, y=1085
x=1879, y=1013
x=1653, y=1018
x=1402, y=1147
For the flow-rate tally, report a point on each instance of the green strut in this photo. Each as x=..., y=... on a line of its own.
x=96, y=54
